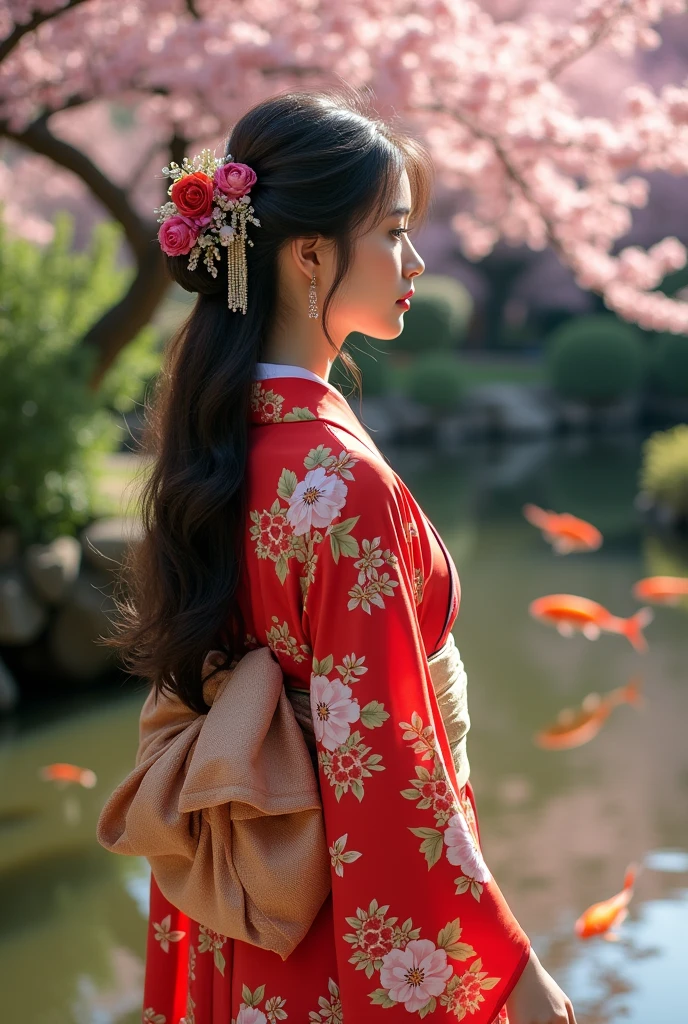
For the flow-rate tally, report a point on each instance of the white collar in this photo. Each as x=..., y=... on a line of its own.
x=266, y=370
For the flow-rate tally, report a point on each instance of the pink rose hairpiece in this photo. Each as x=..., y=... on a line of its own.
x=210, y=206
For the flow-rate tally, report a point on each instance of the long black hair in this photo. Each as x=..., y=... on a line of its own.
x=325, y=165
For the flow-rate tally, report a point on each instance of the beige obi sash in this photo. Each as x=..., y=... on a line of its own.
x=226, y=806
x=450, y=681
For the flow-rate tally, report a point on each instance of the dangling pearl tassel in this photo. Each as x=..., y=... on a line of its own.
x=237, y=292
x=312, y=300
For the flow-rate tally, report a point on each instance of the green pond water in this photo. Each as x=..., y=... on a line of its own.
x=558, y=827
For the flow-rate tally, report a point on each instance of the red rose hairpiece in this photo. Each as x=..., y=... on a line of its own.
x=210, y=206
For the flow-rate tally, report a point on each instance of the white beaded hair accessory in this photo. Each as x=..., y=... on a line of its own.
x=207, y=192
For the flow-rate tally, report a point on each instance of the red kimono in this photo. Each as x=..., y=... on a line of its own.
x=351, y=587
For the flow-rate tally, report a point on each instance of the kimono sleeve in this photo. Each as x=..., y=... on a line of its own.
x=420, y=924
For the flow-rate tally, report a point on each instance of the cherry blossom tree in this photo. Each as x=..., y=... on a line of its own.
x=487, y=93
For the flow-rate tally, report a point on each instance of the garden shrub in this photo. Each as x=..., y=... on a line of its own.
x=595, y=359
x=53, y=428
x=664, y=468
x=670, y=364
x=435, y=380
x=373, y=364
x=439, y=315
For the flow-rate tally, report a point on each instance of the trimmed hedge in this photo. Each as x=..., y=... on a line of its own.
x=439, y=315
x=374, y=367
x=435, y=380
x=595, y=359
x=670, y=364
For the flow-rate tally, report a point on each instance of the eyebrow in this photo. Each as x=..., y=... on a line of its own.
x=399, y=210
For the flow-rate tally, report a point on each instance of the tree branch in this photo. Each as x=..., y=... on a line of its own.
x=596, y=37
x=123, y=321
x=38, y=18
x=512, y=172
x=38, y=137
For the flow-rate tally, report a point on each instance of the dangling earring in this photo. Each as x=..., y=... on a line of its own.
x=312, y=300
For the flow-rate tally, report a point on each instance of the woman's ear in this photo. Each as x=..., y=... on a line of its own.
x=305, y=252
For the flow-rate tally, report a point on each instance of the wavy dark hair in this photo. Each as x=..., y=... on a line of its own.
x=327, y=166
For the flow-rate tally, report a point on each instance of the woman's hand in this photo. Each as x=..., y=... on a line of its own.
x=537, y=999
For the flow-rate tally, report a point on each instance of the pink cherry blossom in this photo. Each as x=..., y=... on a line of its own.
x=414, y=974
x=316, y=501
x=543, y=122
x=333, y=710
x=251, y=1015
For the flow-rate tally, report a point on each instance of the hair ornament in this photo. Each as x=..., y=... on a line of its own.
x=210, y=206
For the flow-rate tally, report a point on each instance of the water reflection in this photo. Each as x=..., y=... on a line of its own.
x=559, y=827
x=71, y=940
x=72, y=928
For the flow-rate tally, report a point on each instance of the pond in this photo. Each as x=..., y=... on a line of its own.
x=558, y=827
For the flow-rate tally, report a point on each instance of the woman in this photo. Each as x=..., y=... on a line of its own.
x=273, y=520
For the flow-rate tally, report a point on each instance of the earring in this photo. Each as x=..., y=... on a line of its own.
x=312, y=300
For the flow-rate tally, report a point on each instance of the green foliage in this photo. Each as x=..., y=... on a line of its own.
x=373, y=364
x=434, y=379
x=498, y=369
x=674, y=281
x=595, y=359
x=439, y=315
x=664, y=468
x=53, y=428
x=670, y=364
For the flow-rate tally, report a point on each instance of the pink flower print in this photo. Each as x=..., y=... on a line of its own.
x=251, y=1015
x=275, y=533
x=271, y=411
x=376, y=937
x=346, y=766
x=333, y=710
x=437, y=790
x=414, y=974
x=316, y=501
x=462, y=849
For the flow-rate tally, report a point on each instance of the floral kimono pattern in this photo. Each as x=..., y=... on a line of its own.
x=348, y=583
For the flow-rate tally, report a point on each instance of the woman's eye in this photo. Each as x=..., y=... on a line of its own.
x=396, y=232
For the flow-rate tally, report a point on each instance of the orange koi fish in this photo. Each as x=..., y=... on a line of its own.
x=573, y=729
x=570, y=614
x=566, y=533
x=661, y=589
x=62, y=772
x=600, y=917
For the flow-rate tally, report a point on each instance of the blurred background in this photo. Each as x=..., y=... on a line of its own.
x=544, y=360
